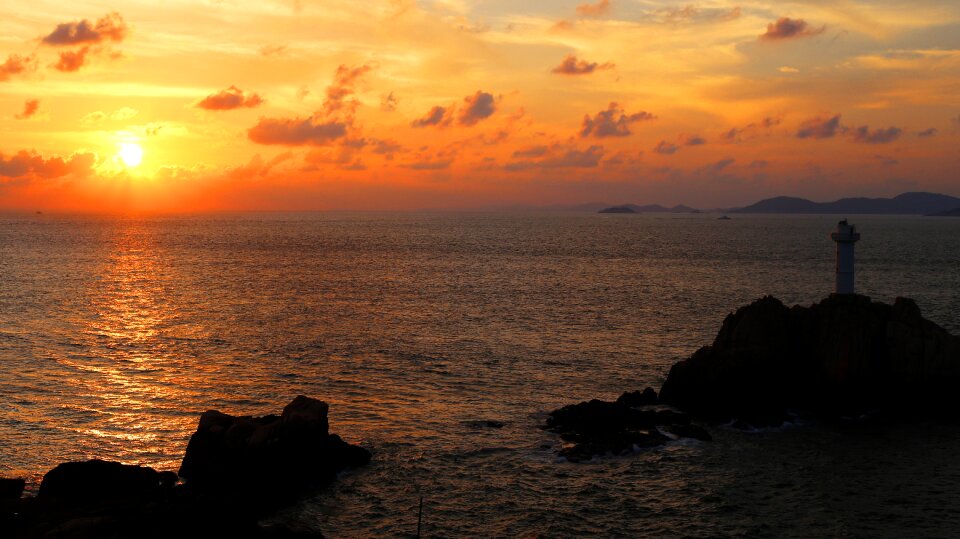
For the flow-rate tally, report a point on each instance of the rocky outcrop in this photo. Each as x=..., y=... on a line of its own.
x=846, y=354
x=11, y=489
x=101, y=480
x=267, y=456
x=236, y=469
x=631, y=423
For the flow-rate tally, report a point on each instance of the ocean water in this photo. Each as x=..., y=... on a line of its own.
x=116, y=333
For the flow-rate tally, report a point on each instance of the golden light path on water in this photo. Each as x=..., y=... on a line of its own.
x=130, y=381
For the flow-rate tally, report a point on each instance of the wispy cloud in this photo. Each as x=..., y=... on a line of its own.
x=787, y=28
x=613, y=122
x=229, y=99
x=111, y=27
x=573, y=66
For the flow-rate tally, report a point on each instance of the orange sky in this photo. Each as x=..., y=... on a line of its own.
x=310, y=104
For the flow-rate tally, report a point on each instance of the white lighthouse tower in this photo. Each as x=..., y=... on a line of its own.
x=845, y=236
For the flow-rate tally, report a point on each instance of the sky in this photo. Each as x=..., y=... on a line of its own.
x=223, y=105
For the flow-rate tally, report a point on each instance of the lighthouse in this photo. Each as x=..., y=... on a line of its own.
x=845, y=236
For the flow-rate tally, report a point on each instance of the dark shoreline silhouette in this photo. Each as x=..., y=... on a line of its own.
x=235, y=471
x=912, y=203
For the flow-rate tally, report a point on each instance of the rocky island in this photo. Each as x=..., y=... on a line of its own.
x=235, y=471
x=845, y=356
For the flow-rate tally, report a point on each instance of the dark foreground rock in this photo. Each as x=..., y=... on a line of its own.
x=102, y=480
x=11, y=489
x=267, y=457
x=599, y=427
x=843, y=356
x=236, y=470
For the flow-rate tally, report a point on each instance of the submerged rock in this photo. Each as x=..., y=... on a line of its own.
x=844, y=355
x=599, y=427
x=271, y=456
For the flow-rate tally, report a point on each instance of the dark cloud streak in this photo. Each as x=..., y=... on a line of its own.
x=110, y=27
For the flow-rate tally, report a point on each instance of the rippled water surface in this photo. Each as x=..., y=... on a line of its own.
x=116, y=333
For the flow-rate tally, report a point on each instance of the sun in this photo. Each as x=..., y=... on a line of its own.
x=130, y=153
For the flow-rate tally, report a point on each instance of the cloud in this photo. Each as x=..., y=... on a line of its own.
x=787, y=28
x=386, y=148
x=927, y=132
x=111, y=27
x=123, y=113
x=119, y=115
x=16, y=65
x=695, y=14
x=572, y=66
x=31, y=165
x=229, y=99
x=344, y=81
x=389, y=103
x=820, y=128
x=29, y=109
x=322, y=128
x=273, y=50
x=587, y=9
x=877, y=136
x=71, y=61
x=430, y=165
x=750, y=131
x=692, y=140
x=438, y=116
x=297, y=131
x=532, y=151
x=666, y=148
x=557, y=156
x=718, y=167
x=613, y=122
x=478, y=106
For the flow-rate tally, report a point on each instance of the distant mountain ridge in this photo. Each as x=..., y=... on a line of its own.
x=649, y=208
x=918, y=203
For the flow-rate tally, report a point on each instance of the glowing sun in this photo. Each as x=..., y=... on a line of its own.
x=130, y=153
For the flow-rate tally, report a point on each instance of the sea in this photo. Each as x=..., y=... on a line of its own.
x=421, y=330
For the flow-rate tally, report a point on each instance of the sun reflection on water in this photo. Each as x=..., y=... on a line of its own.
x=126, y=375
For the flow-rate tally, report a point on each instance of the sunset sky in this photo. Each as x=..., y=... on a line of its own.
x=197, y=105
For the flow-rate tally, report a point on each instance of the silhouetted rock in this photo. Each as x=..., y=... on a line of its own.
x=98, y=480
x=599, y=427
x=238, y=470
x=270, y=456
x=637, y=398
x=11, y=489
x=843, y=355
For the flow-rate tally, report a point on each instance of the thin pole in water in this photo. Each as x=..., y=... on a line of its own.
x=419, y=517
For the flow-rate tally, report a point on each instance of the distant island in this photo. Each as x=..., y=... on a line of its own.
x=915, y=203
x=649, y=208
x=905, y=204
